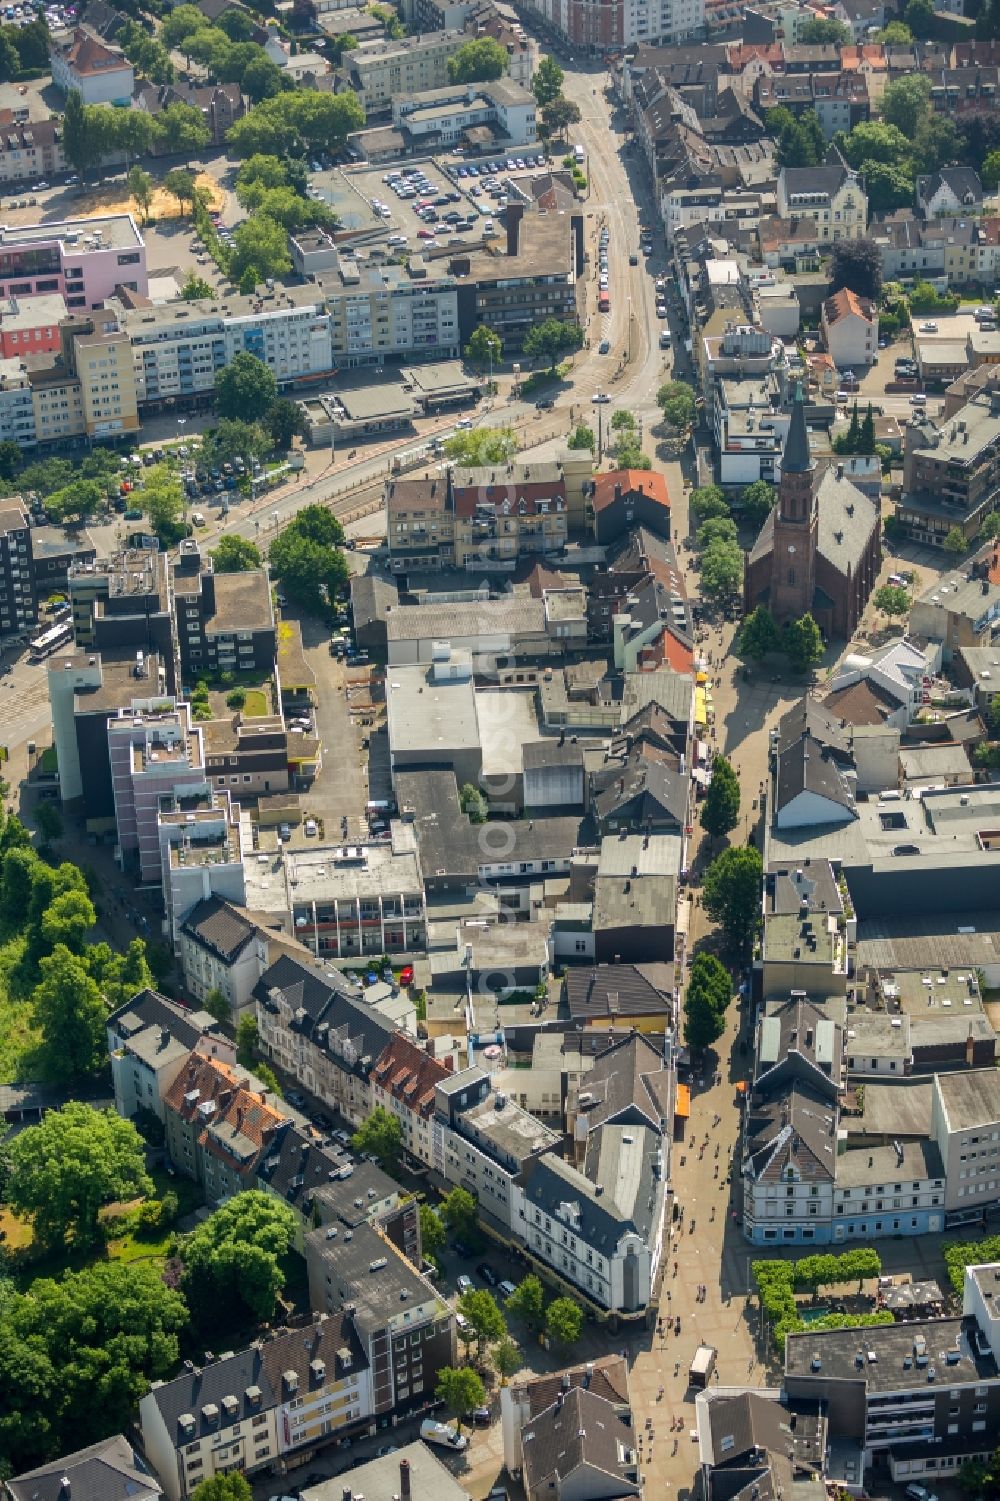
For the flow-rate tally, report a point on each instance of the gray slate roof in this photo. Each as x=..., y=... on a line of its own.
x=106, y=1471
x=218, y=927
x=580, y=1430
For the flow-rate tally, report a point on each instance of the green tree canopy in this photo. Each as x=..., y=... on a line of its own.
x=706, y=999
x=233, y=1260
x=895, y=34
x=482, y=445
x=720, y=811
x=707, y=501
x=245, y=388
x=381, y=1136
x=551, y=338
x=70, y=1013
x=818, y=31
x=758, y=634
x=906, y=102
x=799, y=138
x=432, y=1233
x=731, y=893
x=236, y=555
x=676, y=401
x=162, y=499
x=721, y=570
x=478, y=61
x=196, y=288
x=563, y=1322
x=758, y=502
x=461, y=1390
x=64, y=1170
x=507, y=1358
x=582, y=436
x=803, y=643
x=484, y=347
x=486, y=1321
x=284, y=421
x=527, y=1301
x=460, y=1213
x=547, y=82
x=559, y=114
x=955, y=542
x=231, y=1487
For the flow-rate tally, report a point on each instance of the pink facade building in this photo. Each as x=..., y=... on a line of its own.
x=83, y=260
x=30, y=325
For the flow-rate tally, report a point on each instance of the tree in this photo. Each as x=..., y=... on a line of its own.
x=938, y=142
x=906, y=102
x=892, y=600
x=820, y=32
x=716, y=529
x=527, y=1301
x=889, y=187
x=507, y=1358
x=481, y=445
x=552, y=338
x=140, y=186
x=10, y=459
x=65, y=1169
x=720, y=811
x=234, y=1486
x=677, y=403
x=86, y=1348
x=247, y=1037
x=707, y=501
x=757, y=502
x=179, y=129
x=799, y=139
x=479, y=61
x=803, y=643
x=196, y=288
x=709, y=992
x=380, y=1136
x=232, y=1261
x=232, y=439
x=163, y=502
x=284, y=421
x=919, y=17
x=721, y=570
x=292, y=123
x=432, y=1236
x=874, y=141
x=181, y=182
x=118, y=976
x=77, y=146
x=472, y=803
x=758, y=634
x=216, y=1005
x=866, y=436
x=547, y=82
x=236, y=555
x=461, y=1390
x=558, y=115
x=731, y=893
x=68, y=1010
x=260, y=244
x=563, y=1322
x=582, y=436
x=895, y=34
x=48, y=821
x=245, y=388
x=460, y=1213
x=991, y=171
x=955, y=542
x=484, y=347
x=313, y=572
x=486, y=1321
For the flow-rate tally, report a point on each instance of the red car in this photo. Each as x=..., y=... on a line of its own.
x=406, y=975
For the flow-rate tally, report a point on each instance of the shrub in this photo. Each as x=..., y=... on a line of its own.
x=237, y=698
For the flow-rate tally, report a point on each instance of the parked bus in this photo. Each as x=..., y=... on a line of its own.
x=49, y=641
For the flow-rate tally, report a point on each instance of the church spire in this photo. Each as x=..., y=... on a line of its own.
x=796, y=458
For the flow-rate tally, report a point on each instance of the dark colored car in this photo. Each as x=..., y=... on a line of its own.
x=460, y=1248
x=487, y=1273
x=545, y=404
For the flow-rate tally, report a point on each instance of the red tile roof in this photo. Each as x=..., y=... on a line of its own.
x=406, y=1072
x=845, y=303
x=610, y=487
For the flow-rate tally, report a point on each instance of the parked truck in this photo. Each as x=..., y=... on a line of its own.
x=442, y=1435
x=702, y=1365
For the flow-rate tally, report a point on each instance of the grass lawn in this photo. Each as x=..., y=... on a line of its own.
x=256, y=706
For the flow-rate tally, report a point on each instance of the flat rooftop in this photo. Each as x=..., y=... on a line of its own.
x=887, y=1360
x=382, y=400
x=895, y=1111
x=242, y=602
x=508, y=721
x=919, y=1160
x=117, y=232
x=424, y=713
x=344, y=872
x=970, y=1098
x=439, y=377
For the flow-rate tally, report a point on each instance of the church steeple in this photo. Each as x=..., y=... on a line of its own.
x=797, y=459
x=795, y=495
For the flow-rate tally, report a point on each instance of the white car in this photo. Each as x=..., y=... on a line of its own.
x=39, y=187
x=464, y=422
x=928, y=328
x=600, y=398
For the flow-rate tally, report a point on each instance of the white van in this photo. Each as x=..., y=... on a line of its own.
x=579, y=154
x=441, y=1434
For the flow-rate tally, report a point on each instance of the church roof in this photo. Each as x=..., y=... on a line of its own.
x=847, y=519
x=796, y=458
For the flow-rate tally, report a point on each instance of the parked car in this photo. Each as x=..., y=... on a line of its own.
x=487, y=1273
x=465, y=1284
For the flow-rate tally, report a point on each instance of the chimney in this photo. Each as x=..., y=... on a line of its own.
x=515, y=212
x=404, y=1480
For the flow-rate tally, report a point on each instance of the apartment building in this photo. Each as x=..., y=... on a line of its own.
x=421, y=524
x=30, y=325
x=221, y=949
x=442, y=116
x=380, y=72
x=99, y=73
x=18, y=603
x=202, y=844
x=84, y=260
x=29, y=150
x=150, y=1039
x=217, y=1125
x=103, y=362
x=109, y=1468
x=507, y=512
x=315, y=1026
x=965, y=1123
x=220, y=104
x=324, y=1186
x=850, y=329
x=405, y=1327
x=152, y=755
x=535, y=280
x=951, y=470
x=177, y=348
x=257, y=1409
x=17, y=405
x=379, y=313
x=832, y=196
x=597, y=29
x=225, y=622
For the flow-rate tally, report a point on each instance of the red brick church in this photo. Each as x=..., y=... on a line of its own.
x=820, y=549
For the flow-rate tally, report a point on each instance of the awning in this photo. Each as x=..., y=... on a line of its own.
x=682, y=1104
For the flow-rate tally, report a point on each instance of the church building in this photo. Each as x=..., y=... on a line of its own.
x=820, y=549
